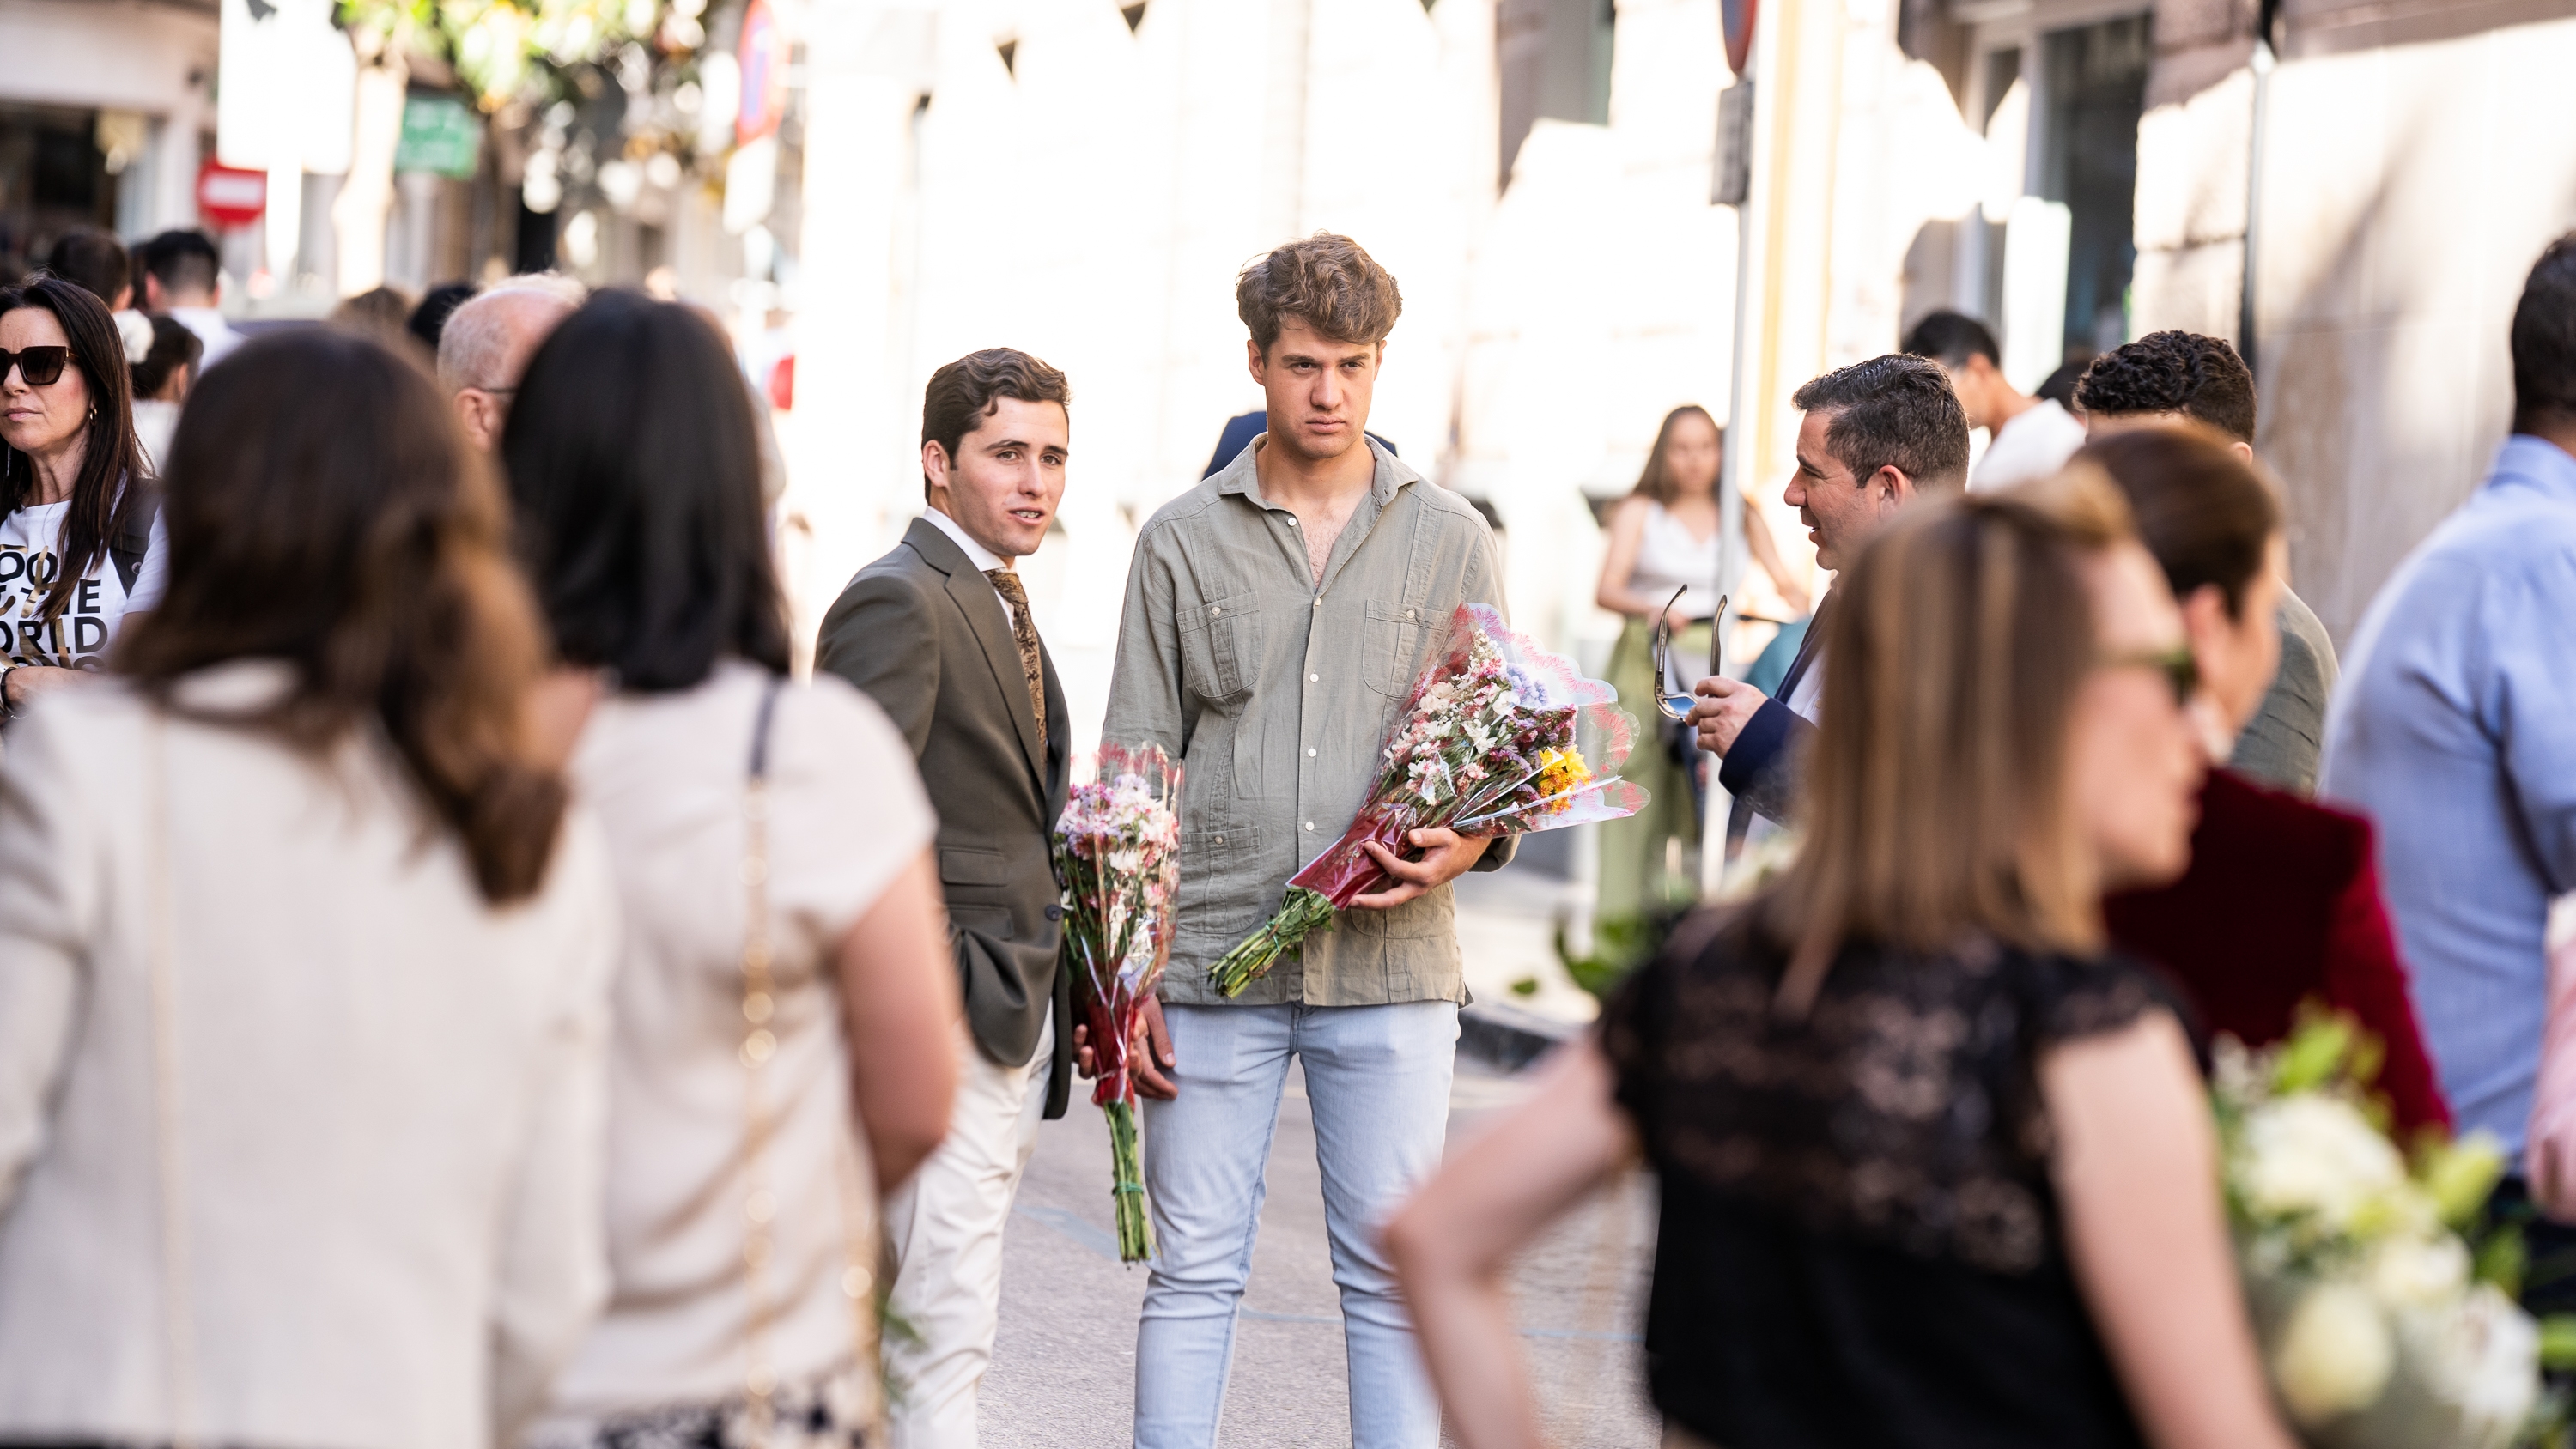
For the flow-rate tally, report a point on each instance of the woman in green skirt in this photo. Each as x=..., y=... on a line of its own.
x=1663, y=537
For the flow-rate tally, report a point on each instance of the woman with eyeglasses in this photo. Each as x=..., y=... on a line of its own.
x=81, y=545
x=1936, y=1168
x=2282, y=903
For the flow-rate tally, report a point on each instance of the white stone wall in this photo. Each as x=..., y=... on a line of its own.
x=2407, y=190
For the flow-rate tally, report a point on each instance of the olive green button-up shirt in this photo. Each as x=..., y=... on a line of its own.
x=1277, y=694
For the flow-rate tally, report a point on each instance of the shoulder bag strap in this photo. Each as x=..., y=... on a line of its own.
x=133, y=542
x=178, y=1308
x=759, y=1044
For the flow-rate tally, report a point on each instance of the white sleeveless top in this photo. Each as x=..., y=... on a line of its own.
x=1669, y=557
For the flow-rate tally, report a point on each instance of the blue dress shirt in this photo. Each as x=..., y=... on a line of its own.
x=2455, y=728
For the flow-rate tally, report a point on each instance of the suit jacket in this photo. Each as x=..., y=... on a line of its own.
x=1762, y=771
x=922, y=632
x=2280, y=746
x=2281, y=904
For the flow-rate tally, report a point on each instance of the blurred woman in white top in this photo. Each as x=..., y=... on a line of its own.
x=1663, y=538
x=303, y=961
x=757, y=1108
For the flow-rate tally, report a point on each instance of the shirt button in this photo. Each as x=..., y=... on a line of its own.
x=1310, y=824
x=1319, y=601
x=1213, y=612
x=1292, y=523
x=1220, y=840
x=1310, y=752
x=1314, y=679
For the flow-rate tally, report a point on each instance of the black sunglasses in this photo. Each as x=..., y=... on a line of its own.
x=2181, y=672
x=41, y=366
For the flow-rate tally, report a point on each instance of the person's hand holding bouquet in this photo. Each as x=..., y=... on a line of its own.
x=1118, y=849
x=1499, y=737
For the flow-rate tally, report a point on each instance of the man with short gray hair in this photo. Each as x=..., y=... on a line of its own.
x=487, y=344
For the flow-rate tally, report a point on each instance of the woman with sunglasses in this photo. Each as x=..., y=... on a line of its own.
x=80, y=540
x=1935, y=1168
x=2282, y=902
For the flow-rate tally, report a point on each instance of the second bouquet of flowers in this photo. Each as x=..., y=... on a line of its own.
x=1118, y=849
x=1498, y=737
x=2377, y=1327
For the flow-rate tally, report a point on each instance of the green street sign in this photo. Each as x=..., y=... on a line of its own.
x=439, y=136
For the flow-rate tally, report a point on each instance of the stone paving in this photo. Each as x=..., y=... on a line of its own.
x=1063, y=1371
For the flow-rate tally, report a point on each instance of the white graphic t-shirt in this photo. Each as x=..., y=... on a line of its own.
x=77, y=638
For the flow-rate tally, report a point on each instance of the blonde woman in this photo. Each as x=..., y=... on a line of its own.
x=1663, y=538
x=1935, y=1169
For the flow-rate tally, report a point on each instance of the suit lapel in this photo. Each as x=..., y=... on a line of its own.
x=989, y=619
x=1808, y=645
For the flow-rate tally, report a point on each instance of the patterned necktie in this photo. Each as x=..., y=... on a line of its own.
x=1007, y=584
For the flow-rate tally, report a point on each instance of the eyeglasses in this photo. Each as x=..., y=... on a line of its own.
x=2180, y=669
x=1668, y=703
x=41, y=366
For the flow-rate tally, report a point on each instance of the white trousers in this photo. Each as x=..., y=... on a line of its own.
x=944, y=1229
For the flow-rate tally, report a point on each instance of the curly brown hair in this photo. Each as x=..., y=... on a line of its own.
x=2199, y=377
x=325, y=510
x=1324, y=281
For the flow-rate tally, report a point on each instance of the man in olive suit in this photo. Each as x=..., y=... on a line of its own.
x=938, y=632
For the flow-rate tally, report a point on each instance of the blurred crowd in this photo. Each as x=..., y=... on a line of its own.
x=456, y=988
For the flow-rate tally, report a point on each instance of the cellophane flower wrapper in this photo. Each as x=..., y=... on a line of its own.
x=2375, y=1329
x=1117, y=846
x=1498, y=737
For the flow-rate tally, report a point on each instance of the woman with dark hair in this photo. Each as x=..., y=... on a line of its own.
x=2282, y=903
x=162, y=375
x=303, y=965
x=1935, y=1169
x=784, y=994
x=80, y=541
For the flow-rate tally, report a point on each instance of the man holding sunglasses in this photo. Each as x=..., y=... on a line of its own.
x=1876, y=436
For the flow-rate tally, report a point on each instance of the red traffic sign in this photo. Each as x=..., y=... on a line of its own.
x=229, y=196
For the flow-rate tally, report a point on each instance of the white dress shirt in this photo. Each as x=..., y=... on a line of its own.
x=977, y=554
x=212, y=330
x=2035, y=444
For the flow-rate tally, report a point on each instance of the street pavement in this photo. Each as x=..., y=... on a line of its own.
x=1064, y=1368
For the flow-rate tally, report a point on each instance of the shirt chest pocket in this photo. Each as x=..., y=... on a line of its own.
x=1220, y=648
x=1392, y=648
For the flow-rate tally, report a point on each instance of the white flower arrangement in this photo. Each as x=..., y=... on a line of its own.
x=2375, y=1329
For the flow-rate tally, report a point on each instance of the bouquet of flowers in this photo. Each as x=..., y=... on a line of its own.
x=1499, y=737
x=2375, y=1327
x=1118, y=849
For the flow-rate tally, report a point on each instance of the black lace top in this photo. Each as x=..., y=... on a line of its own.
x=1860, y=1242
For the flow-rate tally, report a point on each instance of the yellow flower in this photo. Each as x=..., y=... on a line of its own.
x=1560, y=773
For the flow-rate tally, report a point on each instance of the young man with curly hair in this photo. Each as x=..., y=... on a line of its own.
x=2166, y=378
x=1276, y=616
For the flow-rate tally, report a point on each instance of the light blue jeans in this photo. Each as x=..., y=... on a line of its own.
x=1377, y=1078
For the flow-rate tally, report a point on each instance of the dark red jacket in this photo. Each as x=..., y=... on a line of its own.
x=2281, y=904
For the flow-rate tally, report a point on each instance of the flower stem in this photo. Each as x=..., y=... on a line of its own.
x=1250, y=960
x=1127, y=1183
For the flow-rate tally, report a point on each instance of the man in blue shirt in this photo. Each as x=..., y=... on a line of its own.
x=2455, y=729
